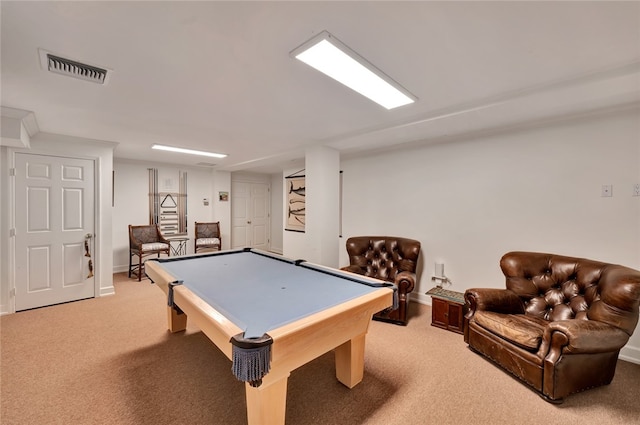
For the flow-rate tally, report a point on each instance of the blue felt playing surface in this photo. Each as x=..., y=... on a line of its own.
x=260, y=293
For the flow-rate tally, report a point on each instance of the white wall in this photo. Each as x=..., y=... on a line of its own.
x=131, y=204
x=471, y=201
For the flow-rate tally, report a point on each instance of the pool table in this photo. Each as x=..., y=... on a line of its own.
x=271, y=315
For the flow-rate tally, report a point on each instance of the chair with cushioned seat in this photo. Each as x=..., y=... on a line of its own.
x=145, y=240
x=387, y=258
x=207, y=236
x=560, y=323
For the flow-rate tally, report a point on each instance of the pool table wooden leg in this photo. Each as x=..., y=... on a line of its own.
x=350, y=361
x=266, y=404
x=176, y=321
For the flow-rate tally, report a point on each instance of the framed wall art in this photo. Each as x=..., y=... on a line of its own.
x=295, y=209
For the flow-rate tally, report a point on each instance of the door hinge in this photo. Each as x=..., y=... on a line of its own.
x=12, y=292
x=12, y=232
x=12, y=172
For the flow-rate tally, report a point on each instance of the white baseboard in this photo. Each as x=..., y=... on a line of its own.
x=120, y=269
x=421, y=298
x=109, y=290
x=630, y=354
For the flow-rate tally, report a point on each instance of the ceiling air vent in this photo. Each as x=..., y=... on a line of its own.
x=71, y=68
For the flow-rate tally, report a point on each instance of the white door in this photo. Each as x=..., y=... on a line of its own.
x=250, y=215
x=54, y=228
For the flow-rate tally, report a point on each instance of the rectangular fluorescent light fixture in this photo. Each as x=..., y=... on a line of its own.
x=189, y=151
x=330, y=56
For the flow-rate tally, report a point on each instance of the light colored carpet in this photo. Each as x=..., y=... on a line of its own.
x=111, y=360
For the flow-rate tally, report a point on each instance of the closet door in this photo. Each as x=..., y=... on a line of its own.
x=250, y=215
x=54, y=227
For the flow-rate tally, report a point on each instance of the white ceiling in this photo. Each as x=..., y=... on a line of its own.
x=218, y=76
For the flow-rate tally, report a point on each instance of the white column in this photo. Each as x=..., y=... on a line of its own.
x=322, y=182
x=222, y=209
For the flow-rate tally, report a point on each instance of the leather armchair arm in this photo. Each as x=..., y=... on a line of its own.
x=352, y=269
x=405, y=281
x=497, y=300
x=582, y=336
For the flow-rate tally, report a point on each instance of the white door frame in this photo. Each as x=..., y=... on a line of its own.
x=12, y=217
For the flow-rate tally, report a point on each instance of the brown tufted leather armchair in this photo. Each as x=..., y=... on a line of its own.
x=560, y=324
x=390, y=259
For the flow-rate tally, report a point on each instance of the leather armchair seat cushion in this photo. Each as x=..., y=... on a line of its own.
x=520, y=329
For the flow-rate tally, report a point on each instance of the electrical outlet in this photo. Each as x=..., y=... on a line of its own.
x=607, y=190
x=636, y=189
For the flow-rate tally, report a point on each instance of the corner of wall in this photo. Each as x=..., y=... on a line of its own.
x=5, y=223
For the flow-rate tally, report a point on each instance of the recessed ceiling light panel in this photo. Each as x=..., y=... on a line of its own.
x=330, y=56
x=188, y=151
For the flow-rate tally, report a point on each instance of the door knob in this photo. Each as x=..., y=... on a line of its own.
x=249, y=222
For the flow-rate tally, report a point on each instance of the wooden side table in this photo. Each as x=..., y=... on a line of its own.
x=448, y=309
